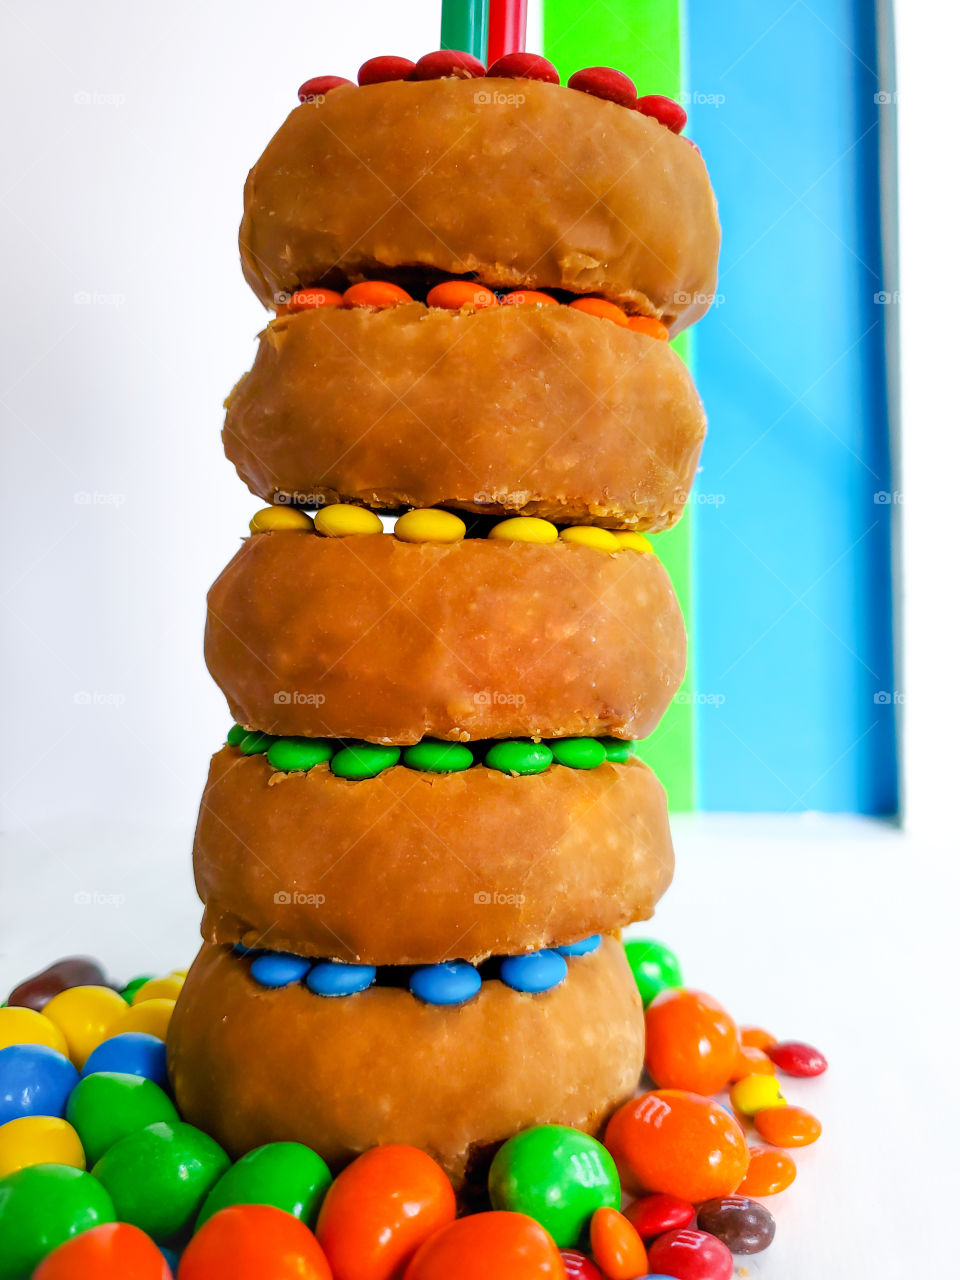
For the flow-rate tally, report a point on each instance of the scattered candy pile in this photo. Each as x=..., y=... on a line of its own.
x=100, y=1177
x=441, y=64
x=463, y=296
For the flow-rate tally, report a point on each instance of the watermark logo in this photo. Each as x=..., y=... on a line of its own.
x=295, y=898
x=498, y=98
x=887, y=498
x=88, y=498
x=86, y=698
x=886, y=97
x=495, y=898
x=297, y=698
x=85, y=298
x=688, y=699
x=887, y=298
x=96, y=98
x=698, y=99
x=96, y=898
x=884, y=698
x=498, y=698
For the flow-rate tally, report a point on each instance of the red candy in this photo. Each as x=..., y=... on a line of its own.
x=444, y=63
x=112, y=1251
x=577, y=1266
x=691, y=1255
x=249, y=1242
x=386, y=67
x=656, y=1214
x=604, y=82
x=797, y=1059
x=524, y=66
x=319, y=86
x=668, y=112
x=381, y=1209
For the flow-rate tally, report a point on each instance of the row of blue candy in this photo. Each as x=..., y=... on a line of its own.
x=451, y=982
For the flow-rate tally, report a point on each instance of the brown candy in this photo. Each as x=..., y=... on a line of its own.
x=71, y=971
x=744, y=1226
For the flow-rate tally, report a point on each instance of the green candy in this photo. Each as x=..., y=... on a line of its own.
x=236, y=735
x=363, y=760
x=285, y=1174
x=518, y=756
x=134, y=985
x=41, y=1207
x=294, y=755
x=159, y=1176
x=617, y=750
x=255, y=744
x=556, y=1175
x=438, y=757
x=654, y=966
x=106, y=1106
x=578, y=753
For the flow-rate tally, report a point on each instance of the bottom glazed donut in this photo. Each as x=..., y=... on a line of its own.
x=251, y=1065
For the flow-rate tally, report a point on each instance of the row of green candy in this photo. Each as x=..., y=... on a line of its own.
x=367, y=759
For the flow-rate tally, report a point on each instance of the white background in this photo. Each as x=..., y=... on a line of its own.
x=128, y=129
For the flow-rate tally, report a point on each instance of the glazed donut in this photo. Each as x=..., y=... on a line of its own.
x=251, y=1065
x=523, y=184
x=478, y=861
x=369, y=637
x=533, y=410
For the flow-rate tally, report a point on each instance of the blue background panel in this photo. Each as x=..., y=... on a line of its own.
x=796, y=701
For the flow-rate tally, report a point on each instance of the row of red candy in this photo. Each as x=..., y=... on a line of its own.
x=462, y=295
x=600, y=82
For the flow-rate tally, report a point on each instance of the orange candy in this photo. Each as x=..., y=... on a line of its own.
x=528, y=298
x=649, y=325
x=250, y=1242
x=787, y=1126
x=616, y=1246
x=602, y=308
x=691, y=1041
x=508, y=1246
x=751, y=1062
x=312, y=299
x=112, y=1251
x=375, y=293
x=770, y=1172
x=381, y=1209
x=679, y=1143
x=756, y=1038
x=457, y=295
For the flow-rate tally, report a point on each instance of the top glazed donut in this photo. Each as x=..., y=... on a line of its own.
x=520, y=183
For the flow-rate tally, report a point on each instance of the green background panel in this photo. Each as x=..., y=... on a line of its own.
x=647, y=41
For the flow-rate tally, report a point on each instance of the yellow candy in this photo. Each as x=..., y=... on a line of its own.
x=634, y=541
x=279, y=518
x=151, y=1016
x=525, y=529
x=26, y=1026
x=85, y=1016
x=39, y=1140
x=429, y=525
x=341, y=520
x=159, y=989
x=32, y=1140
x=756, y=1093
x=178, y=973
x=587, y=535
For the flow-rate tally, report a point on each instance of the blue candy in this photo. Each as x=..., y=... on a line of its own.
x=34, y=1081
x=450, y=983
x=331, y=978
x=581, y=948
x=134, y=1053
x=279, y=968
x=536, y=971
x=173, y=1260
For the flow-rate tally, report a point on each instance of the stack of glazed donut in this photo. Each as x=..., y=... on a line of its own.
x=430, y=821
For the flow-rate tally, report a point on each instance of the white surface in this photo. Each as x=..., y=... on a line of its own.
x=128, y=132
x=840, y=932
